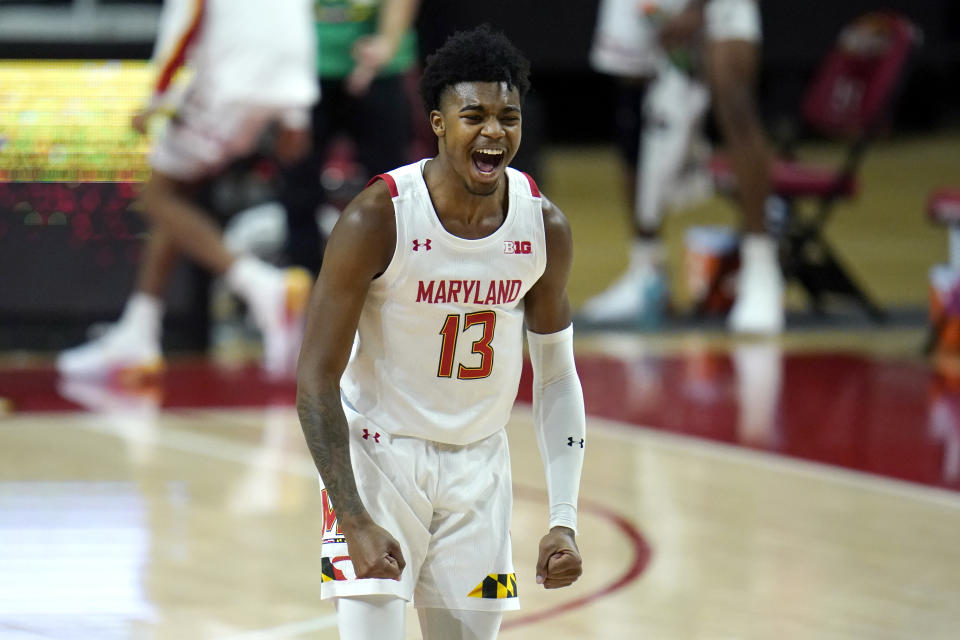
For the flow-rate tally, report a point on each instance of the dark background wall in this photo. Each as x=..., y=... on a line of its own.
x=557, y=36
x=47, y=301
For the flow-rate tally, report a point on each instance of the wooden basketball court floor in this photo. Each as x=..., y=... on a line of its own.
x=803, y=487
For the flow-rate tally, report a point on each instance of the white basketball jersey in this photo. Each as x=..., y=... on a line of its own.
x=440, y=342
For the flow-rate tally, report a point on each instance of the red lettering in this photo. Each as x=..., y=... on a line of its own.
x=476, y=295
x=491, y=293
x=425, y=293
x=504, y=292
x=330, y=524
x=515, y=286
x=441, y=292
x=453, y=292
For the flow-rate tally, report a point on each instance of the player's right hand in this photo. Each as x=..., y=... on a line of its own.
x=374, y=552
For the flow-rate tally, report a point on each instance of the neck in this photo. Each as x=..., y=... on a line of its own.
x=451, y=193
x=461, y=212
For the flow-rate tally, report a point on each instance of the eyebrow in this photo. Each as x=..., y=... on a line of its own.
x=480, y=107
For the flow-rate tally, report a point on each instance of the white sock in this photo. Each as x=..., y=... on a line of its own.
x=646, y=253
x=248, y=276
x=143, y=315
x=757, y=251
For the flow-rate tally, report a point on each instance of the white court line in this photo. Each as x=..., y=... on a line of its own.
x=223, y=449
x=204, y=445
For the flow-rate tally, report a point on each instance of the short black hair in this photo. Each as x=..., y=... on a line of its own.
x=478, y=55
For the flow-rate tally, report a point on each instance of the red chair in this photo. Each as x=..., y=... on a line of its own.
x=850, y=99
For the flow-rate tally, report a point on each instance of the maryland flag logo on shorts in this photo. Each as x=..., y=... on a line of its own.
x=496, y=585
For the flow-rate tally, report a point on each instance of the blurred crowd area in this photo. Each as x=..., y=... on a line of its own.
x=72, y=72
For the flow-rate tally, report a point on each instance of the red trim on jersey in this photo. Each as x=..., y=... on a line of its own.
x=533, y=185
x=391, y=183
x=179, y=53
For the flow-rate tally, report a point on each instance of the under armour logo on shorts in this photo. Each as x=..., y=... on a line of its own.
x=571, y=442
x=367, y=435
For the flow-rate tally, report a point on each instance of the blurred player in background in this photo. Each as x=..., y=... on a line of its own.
x=252, y=65
x=365, y=49
x=661, y=101
x=436, y=267
x=728, y=33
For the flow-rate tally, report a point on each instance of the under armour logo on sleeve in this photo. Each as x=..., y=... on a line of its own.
x=571, y=442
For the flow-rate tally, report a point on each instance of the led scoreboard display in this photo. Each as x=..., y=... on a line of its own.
x=69, y=121
x=70, y=169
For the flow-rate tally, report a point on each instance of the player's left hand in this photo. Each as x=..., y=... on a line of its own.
x=559, y=564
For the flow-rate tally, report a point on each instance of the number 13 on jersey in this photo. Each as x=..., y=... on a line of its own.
x=487, y=321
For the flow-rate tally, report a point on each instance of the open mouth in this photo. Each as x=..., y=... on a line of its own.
x=487, y=160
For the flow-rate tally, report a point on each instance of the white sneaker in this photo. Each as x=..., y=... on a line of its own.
x=118, y=355
x=758, y=308
x=638, y=296
x=280, y=314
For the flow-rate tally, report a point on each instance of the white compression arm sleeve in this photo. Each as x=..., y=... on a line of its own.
x=559, y=420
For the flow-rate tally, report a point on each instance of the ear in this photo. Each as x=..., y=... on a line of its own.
x=437, y=123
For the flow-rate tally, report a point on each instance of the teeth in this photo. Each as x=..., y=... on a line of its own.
x=490, y=152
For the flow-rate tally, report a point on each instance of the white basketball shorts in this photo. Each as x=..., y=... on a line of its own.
x=201, y=139
x=448, y=506
x=732, y=20
x=626, y=41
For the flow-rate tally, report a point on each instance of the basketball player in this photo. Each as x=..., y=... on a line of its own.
x=436, y=267
x=731, y=32
x=660, y=105
x=252, y=64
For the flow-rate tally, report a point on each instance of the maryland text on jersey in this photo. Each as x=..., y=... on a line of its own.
x=493, y=292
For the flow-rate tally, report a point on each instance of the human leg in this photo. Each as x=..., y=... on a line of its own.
x=196, y=146
x=367, y=617
x=638, y=293
x=732, y=63
x=302, y=194
x=131, y=348
x=459, y=624
x=469, y=563
x=672, y=110
x=732, y=68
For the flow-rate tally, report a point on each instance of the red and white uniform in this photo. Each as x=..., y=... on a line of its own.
x=252, y=61
x=440, y=342
x=427, y=393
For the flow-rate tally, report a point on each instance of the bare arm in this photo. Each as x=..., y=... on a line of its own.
x=546, y=306
x=558, y=402
x=374, y=51
x=359, y=248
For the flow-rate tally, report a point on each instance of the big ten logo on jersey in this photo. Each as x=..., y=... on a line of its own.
x=517, y=246
x=331, y=527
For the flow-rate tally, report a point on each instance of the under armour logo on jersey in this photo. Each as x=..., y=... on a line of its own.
x=425, y=244
x=517, y=246
x=571, y=442
x=367, y=435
